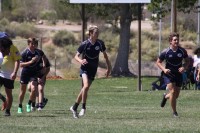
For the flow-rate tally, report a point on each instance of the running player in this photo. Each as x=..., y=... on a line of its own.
x=9, y=68
x=90, y=49
x=29, y=61
x=174, y=56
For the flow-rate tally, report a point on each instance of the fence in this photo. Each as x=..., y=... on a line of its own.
x=147, y=68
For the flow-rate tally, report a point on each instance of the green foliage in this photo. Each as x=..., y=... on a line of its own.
x=66, y=10
x=186, y=5
x=150, y=35
x=50, y=51
x=71, y=72
x=24, y=30
x=63, y=38
x=6, y=5
x=61, y=10
x=20, y=43
x=155, y=8
x=4, y=22
x=50, y=15
x=187, y=22
x=149, y=50
x=189, y=36
x=24, y=10
x=111, y=40
x=182, y=5
x=62, y=56
x=17, y=15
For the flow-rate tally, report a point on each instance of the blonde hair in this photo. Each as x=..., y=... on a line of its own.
x=92, y=27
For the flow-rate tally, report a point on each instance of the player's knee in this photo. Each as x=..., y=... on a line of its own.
x=85, y=88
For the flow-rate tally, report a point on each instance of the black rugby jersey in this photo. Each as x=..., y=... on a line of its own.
x=173, y=58
x=40, y=62
x=27, y=55
x=91, y=51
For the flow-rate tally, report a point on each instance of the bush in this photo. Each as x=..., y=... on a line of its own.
x=110, y=39
x=63, y=38
x=14, y=29
x=49, y=15
x=18, y=15
x=4, y=22
x=50, y=51
x=71, y=72
x=62, y=55
x=188, y=36
x=24, y=30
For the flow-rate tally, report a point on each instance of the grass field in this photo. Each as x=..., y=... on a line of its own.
x=114, y=106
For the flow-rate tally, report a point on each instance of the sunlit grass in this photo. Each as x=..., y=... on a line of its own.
x=114, y=106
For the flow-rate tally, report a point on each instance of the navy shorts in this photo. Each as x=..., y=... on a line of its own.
x=7, y=83
x=173, y=78
x=90, y=73
x=27, y=77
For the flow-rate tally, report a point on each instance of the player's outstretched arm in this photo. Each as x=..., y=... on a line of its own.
x=108, y=64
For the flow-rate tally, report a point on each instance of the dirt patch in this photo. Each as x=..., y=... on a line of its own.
x=54, y=77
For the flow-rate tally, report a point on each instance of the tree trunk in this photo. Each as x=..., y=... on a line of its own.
x=121, y=64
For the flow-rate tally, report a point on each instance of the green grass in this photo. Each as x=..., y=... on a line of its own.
x=114, y=106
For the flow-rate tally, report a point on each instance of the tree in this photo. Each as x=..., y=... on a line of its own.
x=62, y=12
x=182, y=5
x=22, y=10
x=121, y=64
x=125, y=14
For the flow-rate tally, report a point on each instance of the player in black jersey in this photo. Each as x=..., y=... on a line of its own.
x=29, y=63
x=90, y=50
x=174, y=56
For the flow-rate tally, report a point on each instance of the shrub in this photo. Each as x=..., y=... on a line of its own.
x=24, y=30
x=110, y=39
x=4, y=22
x=50, y=51
x=49, y=15
x=18, y=15
x=63, y=38
x=71, y=72
x=188, y=36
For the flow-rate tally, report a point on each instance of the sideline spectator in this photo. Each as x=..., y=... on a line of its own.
x=196, y=59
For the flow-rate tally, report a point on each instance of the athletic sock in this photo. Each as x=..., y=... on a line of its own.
x=75, y=106
x=8, y=110
x=20, y=105
x=33, y=104
x=83, y=105
x=40, y=105
x=44, y=99
x=29, y=102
